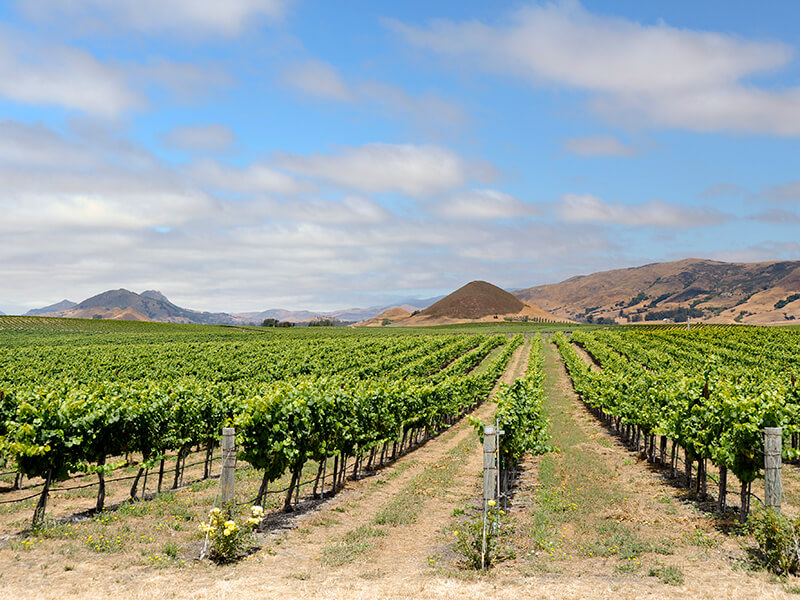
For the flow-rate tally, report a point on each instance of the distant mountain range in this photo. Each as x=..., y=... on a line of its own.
x=349, y=314
x=152, y=305
x=63, y=305
x=697, y=289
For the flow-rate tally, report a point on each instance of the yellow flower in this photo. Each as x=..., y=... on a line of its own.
x=492, y=502
x=455, y=533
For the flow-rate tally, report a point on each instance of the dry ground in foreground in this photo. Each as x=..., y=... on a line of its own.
x=591, y=522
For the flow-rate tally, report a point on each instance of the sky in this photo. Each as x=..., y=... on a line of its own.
x=254, y=154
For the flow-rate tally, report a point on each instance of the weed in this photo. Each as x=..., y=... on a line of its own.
x=471, y=534
x=671, y=575
x=354, y=543
x=171, y=550
x=701, y=539
x=538, y=567
x=198, y=486
x=372, y=575
x=400, y=511
x=629, y=566
x=324, y=521
x=777, y=537
x=618, y=540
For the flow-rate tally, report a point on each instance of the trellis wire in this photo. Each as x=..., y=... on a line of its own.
x=107, y=481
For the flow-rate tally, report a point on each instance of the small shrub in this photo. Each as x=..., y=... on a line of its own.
x=777, y=538
x=671, y=575
x=469, y=538
x=171, y=550
x=228, y=539
x=703, y=540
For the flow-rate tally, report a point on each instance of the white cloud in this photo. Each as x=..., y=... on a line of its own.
x=482, y=204
x=734, y=108
x=763, y=252
x=418, y=171
x=783, y=193
x=118, y=217
x=187, y=82
x=723, y=189
x=123, y=211
x=653, y=213
x=318, y=79
x=200, y=138
x=656, y=73
x=777, y=216
x=49, y=182
x=428, y=112
x=351, y=209
x=50, y=74
x=56, y=75
x=600, y=145
x=193, y=17
x=22, y=144
x=255, y=178
x=779, y=193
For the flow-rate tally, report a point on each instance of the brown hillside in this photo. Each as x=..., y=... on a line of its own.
x=473, y=301
x=713, y=291
x=477, y=301
x=393, y=314
x=119, y=314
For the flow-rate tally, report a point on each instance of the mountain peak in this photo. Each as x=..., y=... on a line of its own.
x=63, y=305
x=475, y=300
x=155, y=295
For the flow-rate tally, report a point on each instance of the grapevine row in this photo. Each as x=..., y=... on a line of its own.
x=715, y=411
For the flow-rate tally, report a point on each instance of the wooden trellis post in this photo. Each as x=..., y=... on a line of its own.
x=489, y=465
x=773, y=447
x=228, y=466
x=489, y=479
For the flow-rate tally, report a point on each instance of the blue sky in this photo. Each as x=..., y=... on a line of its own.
x=253, y=154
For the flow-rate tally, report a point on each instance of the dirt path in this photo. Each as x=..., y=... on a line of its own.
x=595, y=522
x=587, y=358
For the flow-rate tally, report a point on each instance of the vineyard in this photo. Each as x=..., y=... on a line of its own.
x=292, y=399
x=354, y=442
x=711, y=392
